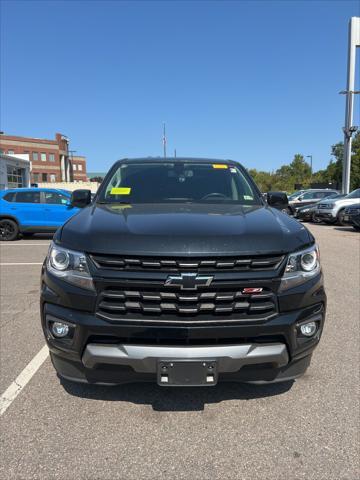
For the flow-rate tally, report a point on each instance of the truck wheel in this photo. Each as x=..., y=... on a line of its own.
x=9, y=230
x=355, y=227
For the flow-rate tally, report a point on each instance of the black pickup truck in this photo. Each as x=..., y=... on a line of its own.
x=179, y=272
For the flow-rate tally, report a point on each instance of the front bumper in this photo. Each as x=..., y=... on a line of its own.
x=239, y=363
x=326, y=214
x=303, y=215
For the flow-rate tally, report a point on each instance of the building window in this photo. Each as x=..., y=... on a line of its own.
x=15, y=177
x=52, y=177
x=35, y=156
x=51, y=157
x=36, y=177
x=43, y=157
x=44, y=177
x=80, y=168
x=10, y=152
x=74, y=167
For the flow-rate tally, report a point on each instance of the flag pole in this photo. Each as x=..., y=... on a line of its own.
x=164, y=140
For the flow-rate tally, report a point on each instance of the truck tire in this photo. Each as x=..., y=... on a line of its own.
x=9, y=230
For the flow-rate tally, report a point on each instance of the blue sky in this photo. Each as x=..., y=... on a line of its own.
x=253, y=81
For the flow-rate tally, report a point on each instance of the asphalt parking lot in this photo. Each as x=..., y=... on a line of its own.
x=307, y=429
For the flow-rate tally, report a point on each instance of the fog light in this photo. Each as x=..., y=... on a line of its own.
x=308, y=329
x=59, y=329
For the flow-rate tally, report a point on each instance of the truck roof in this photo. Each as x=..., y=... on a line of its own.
x=177, y=160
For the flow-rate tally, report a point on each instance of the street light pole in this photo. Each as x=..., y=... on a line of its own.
x=349, y=129
x=71, y=169
x=164, y=140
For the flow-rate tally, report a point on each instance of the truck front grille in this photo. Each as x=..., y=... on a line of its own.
x=209, y=304
x=217, y=264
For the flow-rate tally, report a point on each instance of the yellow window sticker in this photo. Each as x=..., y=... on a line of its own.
x=120, y=191
x=219, y=165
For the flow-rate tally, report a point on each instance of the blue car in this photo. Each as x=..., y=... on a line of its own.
x=33, y=210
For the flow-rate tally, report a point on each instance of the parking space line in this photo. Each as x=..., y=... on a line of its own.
x=23, y=244
x=25, y=376
x=17, y=263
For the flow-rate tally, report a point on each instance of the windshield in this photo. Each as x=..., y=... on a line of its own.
x=178, y=182
x=295, y=194
x=331, y=195
x=354, y=194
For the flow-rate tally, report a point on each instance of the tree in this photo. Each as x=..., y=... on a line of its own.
x=333, y=172
x=264, y=180
x=355, y=163
x=299, y=171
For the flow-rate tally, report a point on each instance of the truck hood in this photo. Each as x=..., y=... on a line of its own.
x=182, y=229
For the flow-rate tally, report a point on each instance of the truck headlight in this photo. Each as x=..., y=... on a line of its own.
x=301, y=267
x=70, y=266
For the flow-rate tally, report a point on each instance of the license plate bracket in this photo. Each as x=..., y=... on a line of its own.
x=187, y=373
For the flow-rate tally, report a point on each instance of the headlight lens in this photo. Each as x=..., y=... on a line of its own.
x=308, y=260
x=70, y=266
x=59, y=259
x=300, y=267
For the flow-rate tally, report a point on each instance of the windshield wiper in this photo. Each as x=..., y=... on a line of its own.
x=179, y=199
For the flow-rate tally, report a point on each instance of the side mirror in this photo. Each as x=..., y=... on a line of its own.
x=277, y=200
x=80, y=198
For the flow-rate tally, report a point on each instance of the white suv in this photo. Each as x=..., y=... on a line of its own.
x=330, y=211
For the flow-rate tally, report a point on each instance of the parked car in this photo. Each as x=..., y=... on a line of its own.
x=33, y=210
x=308, y=197
x=352, y=216
x=180, y=273
x=308, y=213
x=331, y=211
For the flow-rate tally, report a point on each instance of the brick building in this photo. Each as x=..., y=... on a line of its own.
x=78, y=164
x=50, y=159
